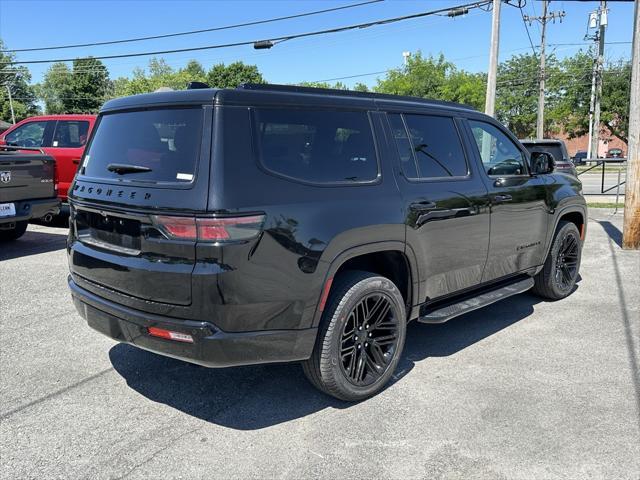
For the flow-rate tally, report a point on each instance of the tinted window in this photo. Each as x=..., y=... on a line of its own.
x=405, y=150
x=167, y=141
x=317, y=146
x=500, y=155
x=436, y=146
x=70, y=134
x=28, y=135
x=553, y=149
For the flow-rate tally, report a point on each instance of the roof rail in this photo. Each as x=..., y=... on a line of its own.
x=272, y=87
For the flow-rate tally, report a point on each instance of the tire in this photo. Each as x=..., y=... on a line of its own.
x=555, y=282
x=15, y=233
x=375, y=341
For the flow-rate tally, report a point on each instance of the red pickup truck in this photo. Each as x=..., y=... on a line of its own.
x=62, y=137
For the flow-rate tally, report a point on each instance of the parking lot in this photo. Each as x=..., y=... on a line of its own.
x=522, y=389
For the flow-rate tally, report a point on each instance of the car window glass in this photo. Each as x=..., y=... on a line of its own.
x=500, y=155
x=317, y=146
x=30, y=134
x=163, y=141
x=70, y=134
x=405, y=151
x=436, y=146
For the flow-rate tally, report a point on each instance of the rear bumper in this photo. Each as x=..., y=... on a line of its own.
x=211, y=347
x=28, y=209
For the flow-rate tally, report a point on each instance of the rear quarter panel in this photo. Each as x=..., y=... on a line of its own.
x=307, y=227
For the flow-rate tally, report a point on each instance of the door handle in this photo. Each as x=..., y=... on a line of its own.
x=75, y=160
x=502, y=198
x=423, y=206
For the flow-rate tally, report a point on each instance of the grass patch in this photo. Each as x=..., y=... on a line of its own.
x=605, y=205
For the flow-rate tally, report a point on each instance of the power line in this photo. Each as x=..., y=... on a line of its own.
x=274, y=40
x=192, y=32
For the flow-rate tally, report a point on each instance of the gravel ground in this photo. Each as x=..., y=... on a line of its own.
x=521, y=389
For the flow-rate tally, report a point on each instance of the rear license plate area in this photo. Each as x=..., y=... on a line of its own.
x=108, y=230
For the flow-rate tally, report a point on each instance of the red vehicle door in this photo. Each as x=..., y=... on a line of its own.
x=67, y=146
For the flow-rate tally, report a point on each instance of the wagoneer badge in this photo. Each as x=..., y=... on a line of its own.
x=5, y=177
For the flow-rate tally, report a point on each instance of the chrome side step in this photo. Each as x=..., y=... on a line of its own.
x=443, y=314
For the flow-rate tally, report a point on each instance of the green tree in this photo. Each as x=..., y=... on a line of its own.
x=90, y=86
x=232, y=75
x=434, y=77
x=517, y=94
x=17, y=79
x=56, y=87
x=574, y=94
x=616, y=95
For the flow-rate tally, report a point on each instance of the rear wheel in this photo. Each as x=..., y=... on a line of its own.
x=558, y=277
x=13, y=233
x=360, y=339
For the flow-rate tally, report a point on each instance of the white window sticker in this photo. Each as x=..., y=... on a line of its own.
x=55, y=143
x=184, y=176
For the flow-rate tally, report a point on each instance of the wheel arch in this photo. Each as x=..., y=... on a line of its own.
x=576, y=214
x=392, y=259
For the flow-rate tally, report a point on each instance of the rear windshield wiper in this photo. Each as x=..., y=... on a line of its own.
x=122, y=168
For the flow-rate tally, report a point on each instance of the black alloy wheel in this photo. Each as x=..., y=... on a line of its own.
x=369, y=340
x=559, y=273
x=360, y=337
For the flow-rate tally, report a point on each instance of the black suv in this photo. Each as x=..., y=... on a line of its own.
x=274, y=223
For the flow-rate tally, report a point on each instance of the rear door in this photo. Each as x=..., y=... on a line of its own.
x=519, y=210
x=67, y=146
x=445, y=203
x=121, y=215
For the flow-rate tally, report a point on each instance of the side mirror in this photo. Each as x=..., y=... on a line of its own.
x=541, y=163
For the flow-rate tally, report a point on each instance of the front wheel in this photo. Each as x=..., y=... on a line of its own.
x=360, y=339
x=558, y=277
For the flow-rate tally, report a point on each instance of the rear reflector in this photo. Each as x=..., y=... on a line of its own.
x=223, y=229
x=169, y=335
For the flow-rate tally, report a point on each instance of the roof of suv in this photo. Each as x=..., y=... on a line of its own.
x=542, y=141
x=268, y=93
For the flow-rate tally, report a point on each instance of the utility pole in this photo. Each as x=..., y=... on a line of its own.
x=490, y=102
x=13, y=115
x=631, y=227
x=543, y=19
x=598, y=22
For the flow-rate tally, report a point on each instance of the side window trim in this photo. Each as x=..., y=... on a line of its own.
x=421, y=179
x=523, y=151
x=257, y=151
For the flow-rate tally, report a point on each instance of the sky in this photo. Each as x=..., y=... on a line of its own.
x=463, y=40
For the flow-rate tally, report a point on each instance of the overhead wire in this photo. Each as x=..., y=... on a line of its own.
x=273, y=40
x=191, y=32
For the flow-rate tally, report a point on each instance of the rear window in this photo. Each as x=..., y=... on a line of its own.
x=317, y=146
x=163, y=142
x=554, y=149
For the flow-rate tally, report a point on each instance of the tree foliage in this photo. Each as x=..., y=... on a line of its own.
x=232, y=75
x=83, y=88
x=437, y=78
x=159, y=74
x=16, y=79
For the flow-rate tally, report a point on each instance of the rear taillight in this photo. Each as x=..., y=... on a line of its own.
x=55, y=179
x=221, y=229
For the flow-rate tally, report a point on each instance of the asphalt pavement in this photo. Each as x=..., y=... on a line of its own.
x=592, y=182
x=522, y=389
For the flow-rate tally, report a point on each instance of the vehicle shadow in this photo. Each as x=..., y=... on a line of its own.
x=255, y=397
x=33, y=243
